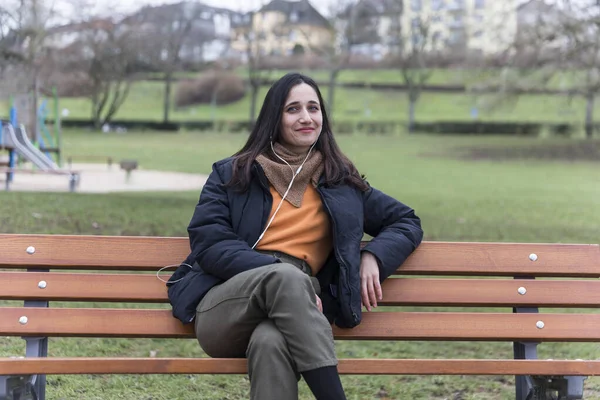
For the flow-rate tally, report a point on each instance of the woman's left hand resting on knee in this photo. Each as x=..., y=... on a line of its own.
x=369, y=281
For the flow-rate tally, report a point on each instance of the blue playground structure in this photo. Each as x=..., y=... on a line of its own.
x=14, y=139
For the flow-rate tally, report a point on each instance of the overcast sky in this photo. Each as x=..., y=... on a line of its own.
x=239, y=5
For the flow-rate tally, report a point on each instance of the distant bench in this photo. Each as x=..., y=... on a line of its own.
x=74, y=176
x=29, y=259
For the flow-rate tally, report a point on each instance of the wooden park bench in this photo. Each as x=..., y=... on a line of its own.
x=41, y=269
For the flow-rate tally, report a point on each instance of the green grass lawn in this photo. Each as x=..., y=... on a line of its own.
x=524, y=200
x=439, y=76
x=458, y=200
x=146, y=99
x=145, y=103
x=448, y=76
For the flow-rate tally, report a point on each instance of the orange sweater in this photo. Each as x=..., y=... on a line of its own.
x=304, y=232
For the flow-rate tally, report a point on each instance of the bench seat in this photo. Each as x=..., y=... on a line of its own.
x=489, y=292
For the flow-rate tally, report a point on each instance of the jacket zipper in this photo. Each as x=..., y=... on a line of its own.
x=265, y=187
x=338, y=256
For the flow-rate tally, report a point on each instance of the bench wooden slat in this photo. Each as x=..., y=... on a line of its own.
x=151, y=253
x=491, y=293
x=145, y=288
x=375, y=326
x=504, y=259
x=397, y=291
x=50, y=366
x=89, y=252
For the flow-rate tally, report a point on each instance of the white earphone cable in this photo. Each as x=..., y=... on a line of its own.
x=170, y=266
x=294, y=175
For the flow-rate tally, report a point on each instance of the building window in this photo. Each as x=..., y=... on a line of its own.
x=437, y=5
x=478, y=33
x=457, y=38
x=479, y=4
x=436, y=19
x=415, y=23
x=294, y=16
x=416, y=39
x=415, y=5
x=457, y=5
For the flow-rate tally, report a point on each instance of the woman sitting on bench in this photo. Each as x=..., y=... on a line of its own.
x=275, y=248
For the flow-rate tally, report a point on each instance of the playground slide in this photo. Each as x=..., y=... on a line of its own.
x=17, y=138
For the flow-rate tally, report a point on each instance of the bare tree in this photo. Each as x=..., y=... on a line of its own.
x=415, y=63
x=258, y=70
x=560, y=44
x=338, y=52
x=163, y=32
x=23, y=29
x=353, y=23
x=580, y=30
x=109, y=72
x=8, y=54
x=103, y=55
x=11, y=30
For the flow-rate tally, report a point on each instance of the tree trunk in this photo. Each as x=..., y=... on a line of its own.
x=167, y=99
x=333, y=75
x=95, y=116
x=213, y=106
x=253, y=99
x=589, y=116
x=412, y=102
x=35, y=129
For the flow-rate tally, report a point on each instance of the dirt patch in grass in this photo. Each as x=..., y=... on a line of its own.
x=584, y=150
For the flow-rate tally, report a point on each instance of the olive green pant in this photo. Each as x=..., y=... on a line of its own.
x=270, y=316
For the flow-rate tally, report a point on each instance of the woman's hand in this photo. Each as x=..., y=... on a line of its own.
x=319, y=304
x=369, y=280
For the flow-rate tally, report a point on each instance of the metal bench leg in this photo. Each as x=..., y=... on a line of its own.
x=574, y=387
x=524, y=351
x=557, y=387
x=16, y=388
x=542, y=387
x=30, y=387
x=37, y=347
x=523, y=383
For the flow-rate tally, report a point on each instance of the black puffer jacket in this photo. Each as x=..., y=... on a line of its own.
x=226, y=223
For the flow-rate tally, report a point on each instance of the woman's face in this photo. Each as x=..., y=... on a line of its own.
x=302, y=119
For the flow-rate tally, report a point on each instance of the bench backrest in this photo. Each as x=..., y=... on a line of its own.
x=438, y=274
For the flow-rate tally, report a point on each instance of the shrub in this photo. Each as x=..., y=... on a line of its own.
x=68, y=84
x=225, y=87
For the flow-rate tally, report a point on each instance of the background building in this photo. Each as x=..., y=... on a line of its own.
x=480, y=26
x=282, y=28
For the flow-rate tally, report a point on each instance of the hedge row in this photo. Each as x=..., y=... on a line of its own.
x=346, y=127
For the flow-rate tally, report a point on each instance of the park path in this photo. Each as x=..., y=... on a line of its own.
x=100, y=178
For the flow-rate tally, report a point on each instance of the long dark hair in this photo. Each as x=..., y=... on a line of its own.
x=338, y=168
